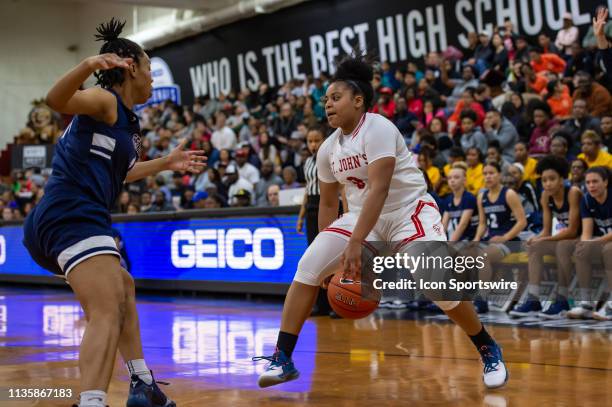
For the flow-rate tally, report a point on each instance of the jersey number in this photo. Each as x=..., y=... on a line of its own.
x=359, y=183
x=493, y=221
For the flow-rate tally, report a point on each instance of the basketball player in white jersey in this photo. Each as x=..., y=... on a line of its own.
x=388, y=201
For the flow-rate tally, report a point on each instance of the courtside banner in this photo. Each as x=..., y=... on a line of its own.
x=261, y=249
x=305, y=39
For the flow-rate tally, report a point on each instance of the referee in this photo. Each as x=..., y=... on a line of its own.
x=310, y=206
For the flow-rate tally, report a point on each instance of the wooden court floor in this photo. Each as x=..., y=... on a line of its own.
x=203, y=348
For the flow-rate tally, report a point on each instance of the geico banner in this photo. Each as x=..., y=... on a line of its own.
x=241, y=249
x=305, y=39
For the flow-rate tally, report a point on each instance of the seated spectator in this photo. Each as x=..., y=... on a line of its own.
x=211, y=153
x=199, y=200
x=246, y=170
x=285, y=124
x=547, y=45
x=529, y=200
x=534, y=83
x=267, y=150
x=522, y=49
x=214, y=201
x=474, y=175
x=470, y=135
x=437, y=128
x=272, y=196
x=385, y=104
x=579, y=122
x=500, y=57
x=559, y=146
x=559, y=99
x=566, y=36
x=405, y=120
x=160, y=204
x=290, y=179
x=494, y=154
x=242, y=198
x=502, y=130
x=598, y=99
x=542, y=63
x=529, y=164
x=268, y=177
x=541, y=136
x=578, y=170
x=234, y=183
x=467, y=101
x=468, y=80
x=146, y=201
x=580, y=60
x=592, y=152
x=223, y=137
x=426, y=165
x=606, y=131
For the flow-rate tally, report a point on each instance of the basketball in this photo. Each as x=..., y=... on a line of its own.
x=346, y=300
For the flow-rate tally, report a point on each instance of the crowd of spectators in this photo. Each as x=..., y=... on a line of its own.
x=504, y=98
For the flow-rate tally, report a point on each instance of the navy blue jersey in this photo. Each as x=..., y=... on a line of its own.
x=468, y=201
x=600, y=213
x=72, y=221
x=498, y=214
x=562, y=213
x=94, y=158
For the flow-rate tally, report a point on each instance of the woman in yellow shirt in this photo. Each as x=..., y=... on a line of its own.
x=592, y=153
x=426, y=164
x=474, y=176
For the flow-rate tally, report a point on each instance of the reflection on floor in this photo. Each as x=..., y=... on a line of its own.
x=204, y=348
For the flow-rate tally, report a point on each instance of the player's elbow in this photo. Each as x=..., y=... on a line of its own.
x=53, y=103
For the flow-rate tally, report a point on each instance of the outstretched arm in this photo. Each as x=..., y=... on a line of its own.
x=177, y=160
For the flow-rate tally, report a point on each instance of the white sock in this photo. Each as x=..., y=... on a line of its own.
x=140, y=369
x=93, y=398
x=534, y=290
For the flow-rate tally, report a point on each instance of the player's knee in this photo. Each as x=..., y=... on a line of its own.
x=128, y=284
x=447, y=305
x=306, y=277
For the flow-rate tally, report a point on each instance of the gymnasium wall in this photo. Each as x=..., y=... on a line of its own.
x=34, y=42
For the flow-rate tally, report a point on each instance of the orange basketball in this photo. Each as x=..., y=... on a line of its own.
x=345, y=298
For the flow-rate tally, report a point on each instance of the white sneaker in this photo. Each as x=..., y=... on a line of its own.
x=604, y=313
x=495, y=374
x=582, y=311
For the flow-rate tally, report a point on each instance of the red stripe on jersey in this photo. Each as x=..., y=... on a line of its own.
x=349, y=234
x=420, y=232
x=356, y=131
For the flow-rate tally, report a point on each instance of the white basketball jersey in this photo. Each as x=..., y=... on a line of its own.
x=345, y=159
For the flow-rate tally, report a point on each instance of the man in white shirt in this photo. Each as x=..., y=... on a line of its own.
x=246, y=170
x=235, y=183
x=223, y=137
x=567, y=35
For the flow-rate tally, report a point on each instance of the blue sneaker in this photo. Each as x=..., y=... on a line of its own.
x=147, y=395
x=279, y=370
x=482, y=306
x=557, y=310
x=531, y=307
x=495, y=374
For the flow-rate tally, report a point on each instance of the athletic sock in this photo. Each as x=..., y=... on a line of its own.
x=93, y=398
x=139, y=368
x=286, y=342
x=533, y=290
x=482, y=338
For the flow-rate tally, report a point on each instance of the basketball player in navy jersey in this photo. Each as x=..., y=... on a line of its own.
x=69, y=232
x=595, y=244
x=501, y=219
x=460, y=217
x=561, y=202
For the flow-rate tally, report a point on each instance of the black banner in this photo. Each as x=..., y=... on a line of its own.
x=306, y=38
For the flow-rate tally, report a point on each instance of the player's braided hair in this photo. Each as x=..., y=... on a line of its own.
x=109, y=33
x=356, y=70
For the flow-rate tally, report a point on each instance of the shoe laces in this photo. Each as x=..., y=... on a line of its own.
x=275, y=360
x=489, y=359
